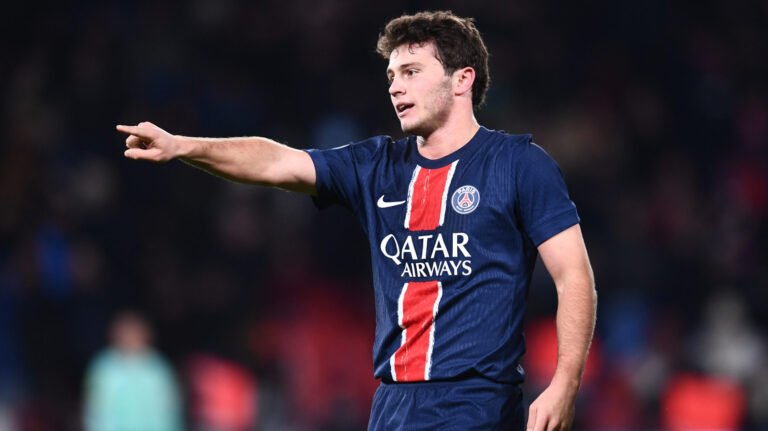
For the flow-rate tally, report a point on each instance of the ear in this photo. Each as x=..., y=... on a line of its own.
x=463, y=80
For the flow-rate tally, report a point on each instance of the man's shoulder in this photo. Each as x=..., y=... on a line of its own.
x=504, y=147
x=501, y=137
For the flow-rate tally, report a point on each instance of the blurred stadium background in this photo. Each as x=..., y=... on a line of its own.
x=656, y=111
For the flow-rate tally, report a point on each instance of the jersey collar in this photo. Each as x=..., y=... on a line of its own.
x=470, y=148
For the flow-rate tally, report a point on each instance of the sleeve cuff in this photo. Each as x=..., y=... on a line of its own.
x=322, y=178
x=553, y=226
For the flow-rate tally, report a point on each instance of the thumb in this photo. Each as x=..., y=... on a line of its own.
x=152, y=154
x=531, y=418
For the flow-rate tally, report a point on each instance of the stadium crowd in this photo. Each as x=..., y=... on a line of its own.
x=657, y=113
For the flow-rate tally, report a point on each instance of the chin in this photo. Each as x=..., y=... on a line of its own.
x=418, y=128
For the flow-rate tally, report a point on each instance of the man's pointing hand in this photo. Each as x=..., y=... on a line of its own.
x=149, y=142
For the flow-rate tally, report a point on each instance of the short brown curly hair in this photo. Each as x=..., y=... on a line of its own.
x=457, y=40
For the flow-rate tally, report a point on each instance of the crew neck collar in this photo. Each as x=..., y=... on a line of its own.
x=467, y=149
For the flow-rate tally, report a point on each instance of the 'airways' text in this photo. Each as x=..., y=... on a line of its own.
x=437, y=269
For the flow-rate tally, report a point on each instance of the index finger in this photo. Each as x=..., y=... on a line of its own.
x=141, y=132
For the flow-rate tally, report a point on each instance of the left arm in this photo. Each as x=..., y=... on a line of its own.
x=565, y=257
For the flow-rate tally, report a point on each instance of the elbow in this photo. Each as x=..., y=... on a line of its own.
x=582, y=280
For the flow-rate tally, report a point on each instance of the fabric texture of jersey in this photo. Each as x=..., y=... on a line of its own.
x=453, y=244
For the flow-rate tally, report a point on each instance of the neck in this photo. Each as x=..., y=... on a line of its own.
x=448, y=138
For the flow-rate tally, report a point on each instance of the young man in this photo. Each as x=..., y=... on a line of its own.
x=129, y=384
x=455, y=215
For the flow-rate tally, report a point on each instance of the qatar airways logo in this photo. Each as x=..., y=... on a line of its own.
x=429, y=255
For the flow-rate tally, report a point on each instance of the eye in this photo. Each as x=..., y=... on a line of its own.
x=411, y=72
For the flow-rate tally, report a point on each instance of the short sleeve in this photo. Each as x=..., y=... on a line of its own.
x=341, y=172
x=542, y=205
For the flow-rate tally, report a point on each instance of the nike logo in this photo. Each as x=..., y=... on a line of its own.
x=382, y=204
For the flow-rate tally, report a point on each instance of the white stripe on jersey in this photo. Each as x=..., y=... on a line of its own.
x=445, y=191
x=428, y=365
x=410, y=195
x=400, y=300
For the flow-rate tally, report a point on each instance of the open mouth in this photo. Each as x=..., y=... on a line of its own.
x=402, y=108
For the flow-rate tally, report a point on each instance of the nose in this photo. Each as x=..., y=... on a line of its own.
x=396, y=88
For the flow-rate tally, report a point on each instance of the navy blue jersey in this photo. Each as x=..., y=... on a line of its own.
x=453, y=244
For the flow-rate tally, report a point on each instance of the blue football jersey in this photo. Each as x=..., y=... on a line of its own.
x=453, y=244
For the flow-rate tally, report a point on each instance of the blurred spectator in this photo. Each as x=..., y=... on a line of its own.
x=698, y=402
x=728, y=344
x=129, y=386
x=224, y=395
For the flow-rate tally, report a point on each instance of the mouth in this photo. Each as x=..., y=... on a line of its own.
x=402, y=108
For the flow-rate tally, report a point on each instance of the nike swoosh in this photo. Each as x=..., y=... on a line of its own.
x=382, y=204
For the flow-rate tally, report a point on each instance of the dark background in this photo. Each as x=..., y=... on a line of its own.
x=657, y=114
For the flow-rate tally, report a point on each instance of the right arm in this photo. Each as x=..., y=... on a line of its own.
x=252, y=160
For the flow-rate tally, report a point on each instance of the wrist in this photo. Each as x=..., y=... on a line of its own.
x=567, y=382
x=185, y=148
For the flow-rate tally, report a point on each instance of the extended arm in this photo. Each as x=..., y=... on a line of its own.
x=251, y=160
x=565, y=257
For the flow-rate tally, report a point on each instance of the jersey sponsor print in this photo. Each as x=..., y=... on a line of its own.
x=453, y=244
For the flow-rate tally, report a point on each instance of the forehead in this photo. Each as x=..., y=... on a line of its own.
x=424, y=53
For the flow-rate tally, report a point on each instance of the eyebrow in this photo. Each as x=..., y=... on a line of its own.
x=404, y=66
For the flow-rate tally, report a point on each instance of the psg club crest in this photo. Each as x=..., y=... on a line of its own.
x=465, y=199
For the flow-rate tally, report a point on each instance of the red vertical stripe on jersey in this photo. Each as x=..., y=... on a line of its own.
x=426, y=200
x=418, y=309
